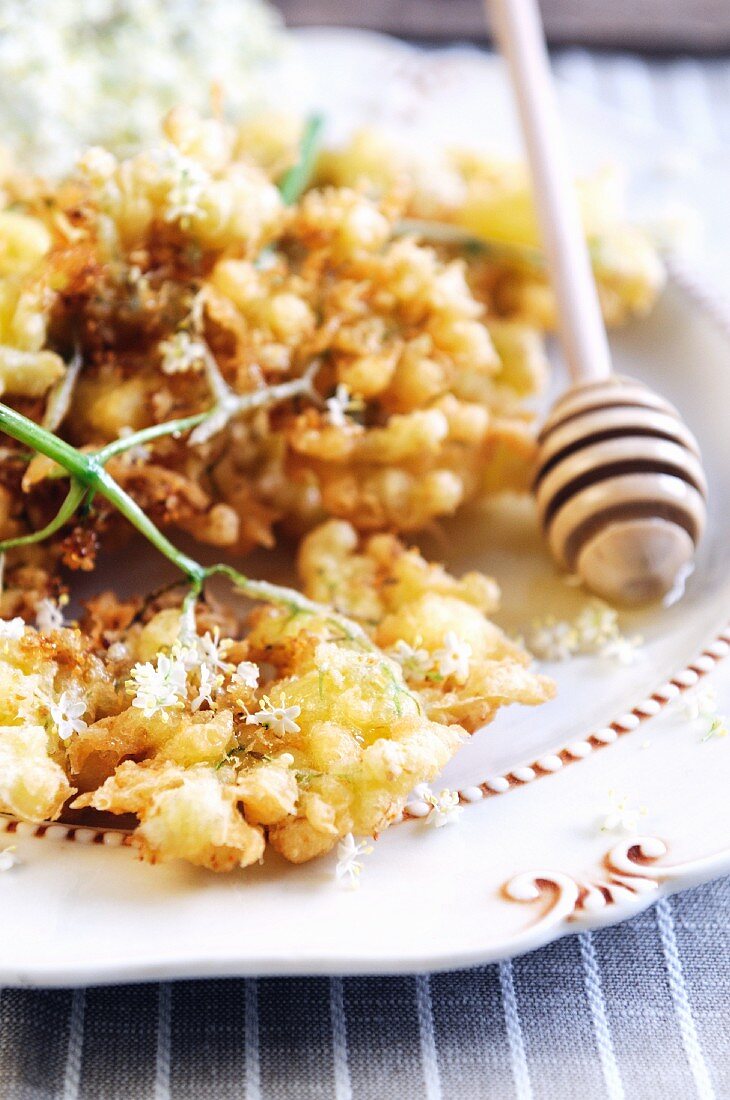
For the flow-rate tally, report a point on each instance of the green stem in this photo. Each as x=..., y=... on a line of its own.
x=46, y=443
x=75, y=495
x=449, y=234
x=146, y=435
x=230, y=405
x=91, y=477
x=295, y=180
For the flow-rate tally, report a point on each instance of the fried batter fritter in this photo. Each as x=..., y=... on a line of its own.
x=178, y=274
x=294, y=735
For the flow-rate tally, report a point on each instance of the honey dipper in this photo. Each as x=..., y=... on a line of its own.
x=620, y=489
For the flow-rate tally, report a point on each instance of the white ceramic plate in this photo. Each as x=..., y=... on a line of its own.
x=527, y=859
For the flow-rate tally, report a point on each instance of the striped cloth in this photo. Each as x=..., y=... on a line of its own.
x=639, y=1011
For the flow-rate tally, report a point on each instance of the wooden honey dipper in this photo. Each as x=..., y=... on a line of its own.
x=620, y=488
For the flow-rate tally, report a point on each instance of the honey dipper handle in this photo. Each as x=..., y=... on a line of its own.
x=518, y=29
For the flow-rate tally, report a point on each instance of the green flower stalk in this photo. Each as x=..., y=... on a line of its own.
x=89, y=478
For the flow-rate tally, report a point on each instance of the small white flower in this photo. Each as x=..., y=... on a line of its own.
x=213, y=649
x=67, y=713
x=8, y=858
x=247, y=675
x=700, y=704
x=622, y=649
x=188, y=181
x=594, y=631
x=48, y=615
x=325, y=665
x=453, y=658
x=280, y=720
x=595, y=625
x=445, y=808
x=339, y=405
x=209, y=685
x=181, y=353
x=552, y=639
x=349, y=865
x=701, y=709
x=620, y=816
x=158, y=688
x=415, y=661
x=11, y=629
x=117, y=651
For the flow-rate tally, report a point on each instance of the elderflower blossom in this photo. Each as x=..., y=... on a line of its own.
x=620, y=816
x=246, y=675
x=11, y=630
x=181, y=353
x=701, y=709
x=594, y=632
x=67, y=714
x=326, y=667
x=208, y=686
x=48, y=615
x=280, y=720
x=71, y=65
x=339, y=405
x=158, y=688
x=213, y=649
x=188, y=181
x=453, y=658
x=445, y=808
x=415, y=661
x=349, y=865
x=8, y=858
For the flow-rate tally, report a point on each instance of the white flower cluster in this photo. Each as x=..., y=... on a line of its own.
x=701, y=709
x=450, y=661
x=195, y=670
x=196, y=663
x=181, y=354
x=436, y=810
x=594, y=631
x=72, y=63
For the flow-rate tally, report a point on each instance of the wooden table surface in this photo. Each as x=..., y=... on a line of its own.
x=653, y=26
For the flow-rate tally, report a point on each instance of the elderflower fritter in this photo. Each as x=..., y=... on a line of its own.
x=158, y=688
